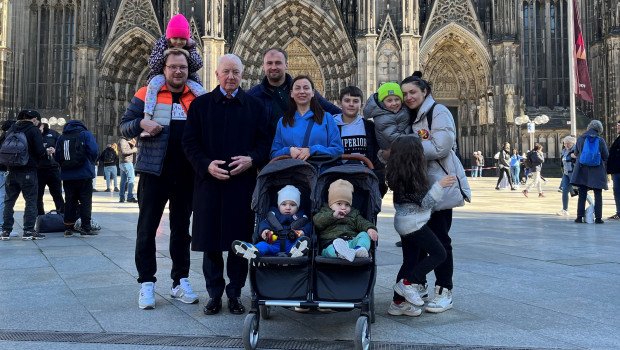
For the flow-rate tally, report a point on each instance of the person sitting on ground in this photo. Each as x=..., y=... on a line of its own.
x=385, y=109
x=343, y=231
x=291, y=219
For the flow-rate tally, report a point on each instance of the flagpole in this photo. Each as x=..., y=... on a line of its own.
x=572, y=67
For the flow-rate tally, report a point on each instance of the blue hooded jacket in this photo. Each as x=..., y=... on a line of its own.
x=87, y=170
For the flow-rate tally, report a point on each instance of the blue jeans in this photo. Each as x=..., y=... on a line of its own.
x=127, y=179
x=476, y=171
x=514, y=171
x=110, y=171
x=2, y=195
x=266, y=249
x=566, y=187
x=616, y=180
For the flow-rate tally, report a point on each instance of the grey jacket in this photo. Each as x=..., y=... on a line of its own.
x=594, y=177
x=438, y=144
x=504, y=159
x=388, y=125
x=126, y=151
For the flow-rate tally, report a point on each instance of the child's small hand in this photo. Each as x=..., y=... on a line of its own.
x=264, y=234
x=339, y=214
x=374, y=235
x=447, y=181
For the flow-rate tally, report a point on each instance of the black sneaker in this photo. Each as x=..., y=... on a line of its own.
x=116, y=189
x=87, y=233
x=95, y=190
x=107, y=190
x=6, y=235
x=29, y=235
x=121, y=200
x=132, y=200
x=68, y=233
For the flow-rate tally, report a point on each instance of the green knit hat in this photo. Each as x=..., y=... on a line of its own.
x=388, y=89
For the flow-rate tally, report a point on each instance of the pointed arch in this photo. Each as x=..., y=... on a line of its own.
x=278, y=24
x=131, y=14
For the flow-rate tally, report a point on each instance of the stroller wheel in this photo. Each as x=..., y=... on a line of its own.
x=265, y=312
x=362, y=334
x=250, y=332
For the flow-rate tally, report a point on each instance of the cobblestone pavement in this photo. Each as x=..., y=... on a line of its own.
x=524, y=278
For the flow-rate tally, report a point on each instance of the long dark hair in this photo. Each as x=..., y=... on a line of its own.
x=406, y=166
x=315, y=107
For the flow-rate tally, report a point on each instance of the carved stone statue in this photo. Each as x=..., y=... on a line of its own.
x=490, y=111
x=482, y=111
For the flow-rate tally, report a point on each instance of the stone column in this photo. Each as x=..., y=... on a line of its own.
x=213, y=42
x=366, y=65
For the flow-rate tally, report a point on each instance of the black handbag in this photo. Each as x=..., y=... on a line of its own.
x=50, y=222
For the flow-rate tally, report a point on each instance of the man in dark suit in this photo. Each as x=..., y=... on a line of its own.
x=226, y=140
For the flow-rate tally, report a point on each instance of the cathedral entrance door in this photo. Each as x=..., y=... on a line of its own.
x=302, y=62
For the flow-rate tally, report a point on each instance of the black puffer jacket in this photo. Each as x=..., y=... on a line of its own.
x=613, y=163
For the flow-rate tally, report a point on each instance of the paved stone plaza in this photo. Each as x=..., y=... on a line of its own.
x=524, y=278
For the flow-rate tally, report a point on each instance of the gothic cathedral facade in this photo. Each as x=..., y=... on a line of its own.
x=489, y=61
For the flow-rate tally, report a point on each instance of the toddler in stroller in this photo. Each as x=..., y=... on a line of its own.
x=283, y=230
x=343, y=231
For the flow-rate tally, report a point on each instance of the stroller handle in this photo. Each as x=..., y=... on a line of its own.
x=324, y=159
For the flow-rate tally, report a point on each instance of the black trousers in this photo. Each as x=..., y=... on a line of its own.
x=504, y=172
x=79, y=201
x=413, y=269
x=213, y=269
x=598, y=202
x=153, y=194
x=25, y=182
x=440, y=223
x=50, y=177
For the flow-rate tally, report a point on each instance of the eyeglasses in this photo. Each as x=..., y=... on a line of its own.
x=175, y=68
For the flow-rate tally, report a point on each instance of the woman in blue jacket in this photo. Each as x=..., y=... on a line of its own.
x=306, y=130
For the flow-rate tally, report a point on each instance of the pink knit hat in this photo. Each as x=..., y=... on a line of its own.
x=178, y=27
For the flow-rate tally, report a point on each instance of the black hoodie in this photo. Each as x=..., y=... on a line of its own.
x=35, y=144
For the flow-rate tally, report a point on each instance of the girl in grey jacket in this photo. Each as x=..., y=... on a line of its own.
x=414, y=199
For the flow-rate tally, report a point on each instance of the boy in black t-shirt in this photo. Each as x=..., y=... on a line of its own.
x=357, y=133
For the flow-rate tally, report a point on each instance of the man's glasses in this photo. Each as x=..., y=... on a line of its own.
x=175, y=68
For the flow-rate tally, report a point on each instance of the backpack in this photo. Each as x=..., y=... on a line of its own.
x=528, y=160
x=72, y=150
x=590, y=155
x=429, y=121
x=108, y=156
x=14, y=149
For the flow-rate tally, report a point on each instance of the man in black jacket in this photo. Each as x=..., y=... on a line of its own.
x=48, y=173
x=274, y=91
x=24, y=178
x=613, y=168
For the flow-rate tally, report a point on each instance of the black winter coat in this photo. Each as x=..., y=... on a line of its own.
x=50, y=137
x=613, y=163
x=218, y=128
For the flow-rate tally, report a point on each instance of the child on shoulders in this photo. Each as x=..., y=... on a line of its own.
x=291, y=219
x=342, y=230
x=385, y=107
x=177, y=37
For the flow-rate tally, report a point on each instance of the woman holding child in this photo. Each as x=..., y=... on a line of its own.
x=437, y=141
x=305, y=130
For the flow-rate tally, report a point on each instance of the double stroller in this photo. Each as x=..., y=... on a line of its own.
x=313, y=281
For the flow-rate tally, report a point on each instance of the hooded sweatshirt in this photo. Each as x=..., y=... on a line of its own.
x=388, y=125
x=86, y=170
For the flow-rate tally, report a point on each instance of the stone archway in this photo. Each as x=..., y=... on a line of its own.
x=286, y=20
x=123, y=69
x=458, y=65
x=302, y=62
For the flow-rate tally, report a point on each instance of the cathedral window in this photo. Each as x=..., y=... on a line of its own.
x=52, y=31
x=545, y=53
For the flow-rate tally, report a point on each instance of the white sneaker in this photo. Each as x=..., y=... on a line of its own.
x=301, y=248
x=409, y=292
x=184, y=292
x=245, y=250
x=441, y=302
x=403, y=308
x=342, y=249
x=562, y=213
x=147, y=296
x=361, y=252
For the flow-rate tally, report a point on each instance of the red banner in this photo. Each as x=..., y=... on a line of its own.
x=583, y=88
